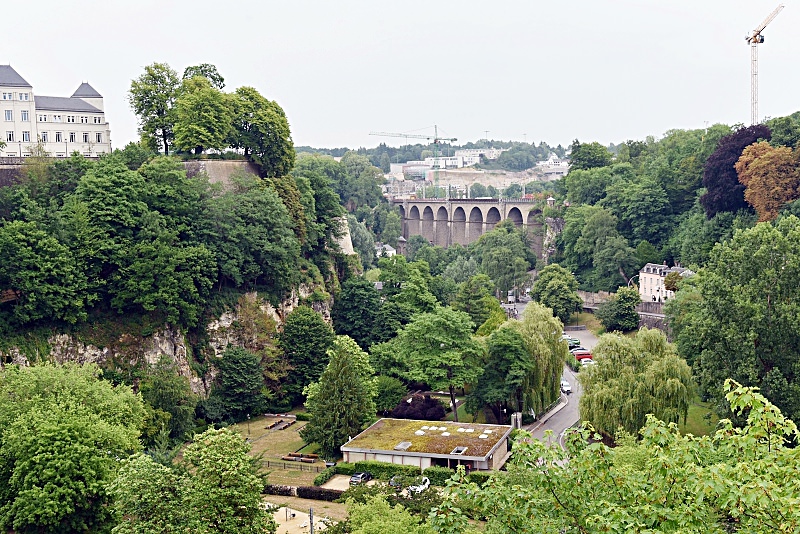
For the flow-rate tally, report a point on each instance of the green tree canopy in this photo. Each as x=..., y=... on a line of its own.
x=152, y=98
x=736, y=318
x=62, y=433
x=437, y=349
x=305, y=342
x=203, y=116
x=556, y=288
x=633, y=378
x=342, y=403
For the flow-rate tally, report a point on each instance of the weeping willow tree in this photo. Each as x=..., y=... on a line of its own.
x=635, y=377
x=542, y=334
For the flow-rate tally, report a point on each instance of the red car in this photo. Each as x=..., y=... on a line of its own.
x=582, y=355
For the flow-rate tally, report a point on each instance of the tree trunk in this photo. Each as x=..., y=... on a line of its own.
x=453, y=401
x=166, y=145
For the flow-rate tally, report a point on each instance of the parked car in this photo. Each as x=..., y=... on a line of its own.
x=582, y=355
x=422, y=486
x=587, y=362
x=565, y=387
x=397, y=482
x=572, y=350
x=360, y=478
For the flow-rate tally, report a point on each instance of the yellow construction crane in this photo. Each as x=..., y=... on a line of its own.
x=436, y=141
x=756, y=39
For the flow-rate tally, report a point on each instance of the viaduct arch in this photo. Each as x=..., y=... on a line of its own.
x=445, y=222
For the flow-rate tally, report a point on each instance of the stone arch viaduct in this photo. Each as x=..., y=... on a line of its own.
x=445, y=222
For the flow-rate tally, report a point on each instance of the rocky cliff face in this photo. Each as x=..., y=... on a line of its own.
x=252, y=324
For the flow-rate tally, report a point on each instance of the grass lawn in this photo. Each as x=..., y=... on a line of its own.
x=273, y=444
x=701, y=420
x=587, y=319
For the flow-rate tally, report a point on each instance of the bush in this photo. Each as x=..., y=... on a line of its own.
x=324, y=476
x=573, y=363
x=438, y=475
x=527, y=419
x=345, y=468
x=318, y=494
x=386, y=470
x=276, y=489
x=303, y=416
x=280, y=406
x=480, y=477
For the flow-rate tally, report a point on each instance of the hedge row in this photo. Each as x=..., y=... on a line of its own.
x=344, y=468
x=275, y=489
x=386, y=470
x=303, y=416
x=438, y=475
x=319, y=494
x=479, y=477
x=324, y=476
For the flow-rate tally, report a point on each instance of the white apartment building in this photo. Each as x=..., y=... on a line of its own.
x=651, y=281
x=553, y=167
x=476, y=153
x=62, y=125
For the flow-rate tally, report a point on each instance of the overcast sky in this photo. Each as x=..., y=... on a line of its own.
x=596, y=70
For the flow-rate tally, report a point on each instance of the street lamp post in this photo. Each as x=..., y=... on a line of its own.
x=635, y=276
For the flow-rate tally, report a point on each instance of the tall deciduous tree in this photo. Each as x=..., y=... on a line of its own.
x=355, y=311
x=724, y=192
x=260, y=128
x=342, y=403
x=541, y=332
x=557, y=289
x=216, y=491
x=152, y=98
x=203, y=116
x=165, y=389
x=619, y=311
x=588, y=155
x=504, y=376
x=771, y=177
x=635, y=377
x=737, y=317
x=438, y=349
x=62, y=433
x=207, y=71
x=305, y=341
x=239, y=389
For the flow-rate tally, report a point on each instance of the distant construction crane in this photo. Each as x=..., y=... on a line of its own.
x=755, y=40
x=436, y=141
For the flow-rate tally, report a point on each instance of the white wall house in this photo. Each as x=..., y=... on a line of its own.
x=62, y=124
x=651, y=281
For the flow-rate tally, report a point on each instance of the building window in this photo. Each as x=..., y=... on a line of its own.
x=9, y=137
x=59, y=137
x=98, y=120
x=70, y=118
x=56, y=118
x=9, y=115
x=24, y=115
x=7, y=96
x=85, y=137
x=23, y=96
x=44, y=137
x=26, y=137
x=84, y=120
x=99, y=137
x=72, y=137
x=42, y=118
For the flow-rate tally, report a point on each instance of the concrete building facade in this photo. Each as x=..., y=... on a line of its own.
x=62, y=125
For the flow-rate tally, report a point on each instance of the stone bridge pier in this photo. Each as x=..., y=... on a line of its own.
x=445, y=222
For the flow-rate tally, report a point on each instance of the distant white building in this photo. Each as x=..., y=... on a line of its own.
x=553, y=166
x=651, y=281
x=488, y=153
x=384, y=250
x=63, y=125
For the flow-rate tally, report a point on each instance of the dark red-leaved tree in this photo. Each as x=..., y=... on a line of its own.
x=723, y=190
